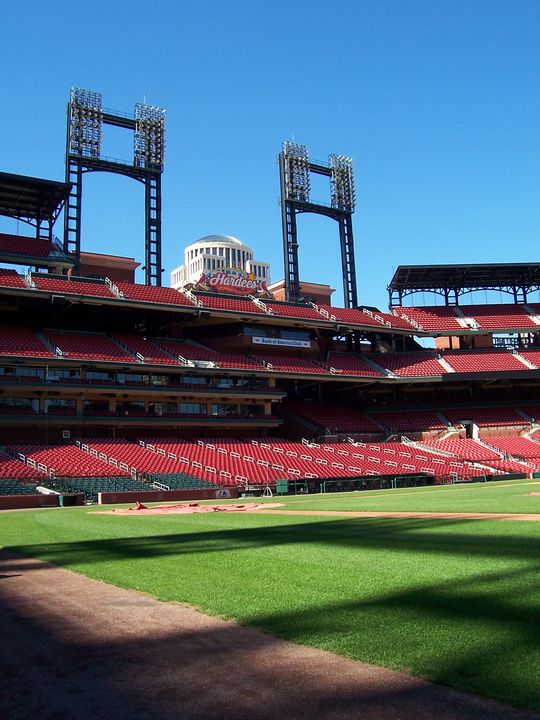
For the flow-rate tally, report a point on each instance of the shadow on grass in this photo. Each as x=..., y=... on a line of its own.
x=398, y=535
x=482, y=636
x=197, y=670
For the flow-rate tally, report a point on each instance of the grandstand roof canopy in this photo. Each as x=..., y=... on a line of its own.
x=460, y=279
x=29, y=198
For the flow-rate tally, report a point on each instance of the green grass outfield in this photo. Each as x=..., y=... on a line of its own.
x=456, y=601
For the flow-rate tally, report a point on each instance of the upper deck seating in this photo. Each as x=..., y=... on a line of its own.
x=431, y=319
x=409, y=421
x=409, y=364
x=499, y=317
x=232, y=304
x=481, y=361
x=11, y=279
x=71, y=286
x=25, y=246
x=19, y=340
x=349, y=364
x=152, y=294
x=296, y=310
x=365, y=316
x=91, y=346
x=486, y=416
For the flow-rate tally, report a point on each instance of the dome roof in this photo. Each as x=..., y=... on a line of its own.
x=229, y=239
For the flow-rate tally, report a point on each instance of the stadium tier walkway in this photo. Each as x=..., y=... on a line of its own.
x=125, y=655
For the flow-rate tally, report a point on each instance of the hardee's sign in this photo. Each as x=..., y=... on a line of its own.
x=234, y=282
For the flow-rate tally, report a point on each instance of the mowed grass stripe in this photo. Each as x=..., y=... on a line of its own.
x=492, y=497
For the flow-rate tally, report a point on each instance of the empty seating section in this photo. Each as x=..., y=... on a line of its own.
x=233, y=462
x=301, y=312
x=514, y=466
x=186, y=350
x=410, y=421
x=531, y=356
x=14, y=469
x=486, y=417
x=531, y=412
x=348, y=364
x=286, y=364
x=10, y=278
x=237, y=305
x=335, y=418
x=499, y=317
x=152, y=294
x=350, y=316
x=134, y=456
x=394, y=321
x=431, y=319
x=17, y=487
x=71, y=287
x=518, y=447
x=66, y=460
x=149, y=352
x=82, y=346
x=465, y=448
x=355, y=316
x=193, y=352
x=481, y=361
x=19, y=340
x=274, y=458
x=409, y=364
x=18, y=245
x=235, y=361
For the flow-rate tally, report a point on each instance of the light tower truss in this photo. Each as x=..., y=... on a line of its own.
x=85, y=120
x=295, y=169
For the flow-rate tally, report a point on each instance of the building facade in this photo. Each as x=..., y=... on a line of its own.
x=214, y=253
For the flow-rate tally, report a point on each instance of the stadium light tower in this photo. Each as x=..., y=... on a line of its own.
x=85, y=120
x=294, y=169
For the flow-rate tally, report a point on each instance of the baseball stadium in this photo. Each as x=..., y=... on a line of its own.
x=224, y=496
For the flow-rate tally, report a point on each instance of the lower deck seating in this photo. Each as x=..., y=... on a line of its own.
x=92, y=486
x=466, y=449
x=66, y=460
x=16, y=487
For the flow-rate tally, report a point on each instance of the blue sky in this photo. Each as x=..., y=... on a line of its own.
x=437, y=103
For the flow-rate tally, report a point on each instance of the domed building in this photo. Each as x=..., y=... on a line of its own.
x=215, y=253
